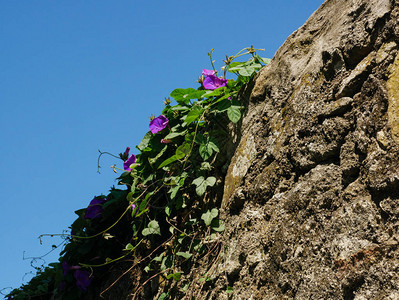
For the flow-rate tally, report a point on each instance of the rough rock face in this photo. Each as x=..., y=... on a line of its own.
x=311, y=199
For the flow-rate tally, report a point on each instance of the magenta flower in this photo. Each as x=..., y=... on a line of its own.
x=213, y=82
x=95, y=208
x=206, y=72
x=131, y=160
x=134, y=210
x=159, y=123
x=83, y=279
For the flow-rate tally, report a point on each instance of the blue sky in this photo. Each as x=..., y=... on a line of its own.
x=78, y=76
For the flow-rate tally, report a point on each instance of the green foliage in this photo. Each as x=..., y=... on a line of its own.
x=209, y=216
x=202, y=184
x=152, y=228
x=167, y=214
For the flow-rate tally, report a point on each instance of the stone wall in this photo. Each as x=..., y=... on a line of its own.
x=311, y=198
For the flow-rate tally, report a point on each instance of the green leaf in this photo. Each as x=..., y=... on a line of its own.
x=167, y=262
x=229, y=289
x=186, y=255
x=194, y=114
x=178, y=184
x=205, y=151
x=224, y=105
x=145, y=141
x=206, y=166
x=234, y=66
x=143, y=203
x=134, y=229
x=200, y=139
x=183, y=96
x=173, y=191
x=213, y=144
x=217, y=225
x=234, y=113
x=142, y=212
x=231, y=83
x=168, y=210
x=163, y=296
x=147, y=269
x=168, y=161
x=152, y=161
x=178, y=107
x=207, y=146
x=215, y=93
x=172, y=135
x=209, y=216
x=152, y=228
x=263, y=59
x=176, y=276
x=159, y=257
x=205, y=278
x=198, y=94
x=202, y=184
x=129, y=247
x=246, y=71
x=182, y=151
x=179, y=95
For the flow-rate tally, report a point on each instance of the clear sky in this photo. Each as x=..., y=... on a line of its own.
x=78, y=76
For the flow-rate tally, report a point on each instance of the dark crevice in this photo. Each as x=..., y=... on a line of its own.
x=351, y=286
x=378, y=196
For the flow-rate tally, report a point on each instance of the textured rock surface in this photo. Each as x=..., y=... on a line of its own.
x=311, y=198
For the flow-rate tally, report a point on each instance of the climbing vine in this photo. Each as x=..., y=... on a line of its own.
x=166, y=216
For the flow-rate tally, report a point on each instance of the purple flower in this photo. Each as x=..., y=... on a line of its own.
x=67, y=267
x=83, y=279
x=95, y=208
x=206, y=72
x=131, y=160
x=213, y=82
x=159, y=123
x=126, y=152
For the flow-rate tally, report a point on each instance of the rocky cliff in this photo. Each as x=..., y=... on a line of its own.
x=311, y=199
